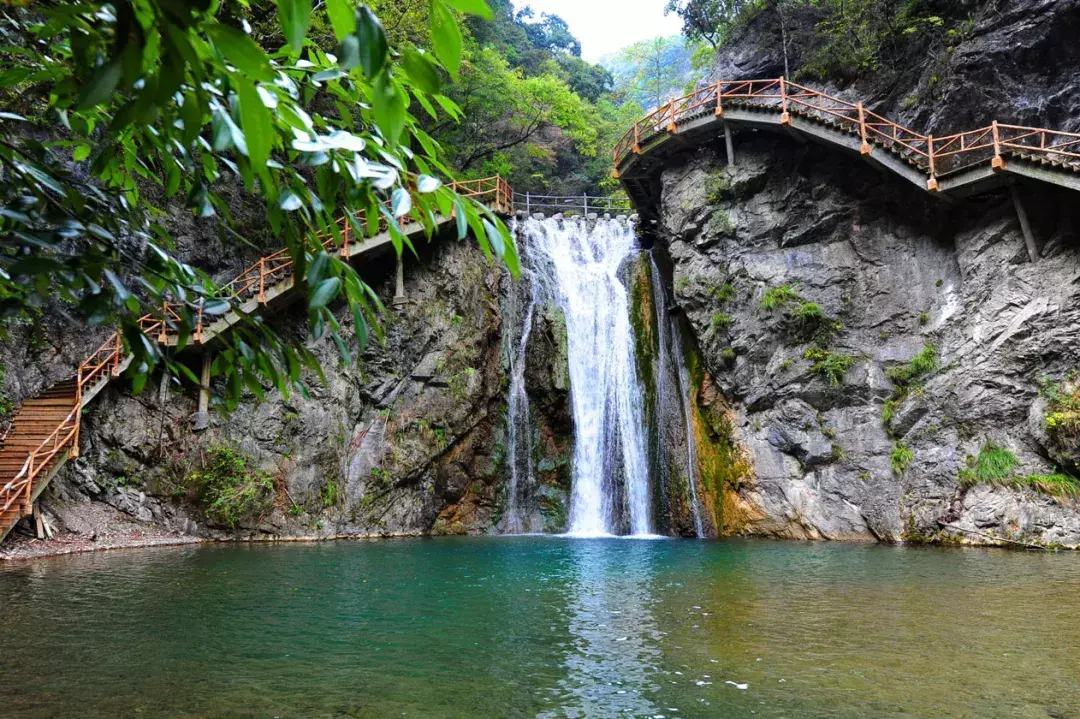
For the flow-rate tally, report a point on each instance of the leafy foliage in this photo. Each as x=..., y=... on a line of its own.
x=901, y=457
x=830, y=365
x=920, y=366
x=710, y=20
x=229, y=487
x=161, y=101
x=775, y=298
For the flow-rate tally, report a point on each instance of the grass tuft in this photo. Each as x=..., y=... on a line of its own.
x=993, y=465
x=776, y=297
x=901, y=457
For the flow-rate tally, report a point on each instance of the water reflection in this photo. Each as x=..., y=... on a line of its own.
x=613, y=649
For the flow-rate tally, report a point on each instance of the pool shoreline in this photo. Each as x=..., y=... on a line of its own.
x=28, y=549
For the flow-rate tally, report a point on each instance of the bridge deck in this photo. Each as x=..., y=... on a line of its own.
x=956, y=165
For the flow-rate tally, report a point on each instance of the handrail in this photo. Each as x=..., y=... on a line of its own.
x=109, y=357
x=933, y=155
x=583, y=203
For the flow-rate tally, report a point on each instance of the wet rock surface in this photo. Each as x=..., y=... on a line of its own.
x=798, y=261
x=406, y=440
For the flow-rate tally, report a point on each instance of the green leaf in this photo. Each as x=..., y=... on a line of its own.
x=372, y=42
x=100, y=85
x=421, y=71
x=401, y=202
x=342, y=17
x=325, y=292
x=257, y=124
x=446, y=36
x=295, y=16
x=389, y=108
x=427, y=183
x=241, y=51
x=80, y=153
x=473, y=7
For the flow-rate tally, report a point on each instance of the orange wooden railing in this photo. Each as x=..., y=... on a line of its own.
x=252, y=282
x=934, y=155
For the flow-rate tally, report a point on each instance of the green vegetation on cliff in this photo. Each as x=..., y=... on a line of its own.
x=228, y=486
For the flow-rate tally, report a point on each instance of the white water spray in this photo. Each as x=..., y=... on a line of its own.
x=691, y=439
x=518, y=426
x=579, y=267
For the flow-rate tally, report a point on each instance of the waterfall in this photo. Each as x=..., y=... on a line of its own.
x=518, y=421
x=691, y=440
x=577, y=262
x=663, y=381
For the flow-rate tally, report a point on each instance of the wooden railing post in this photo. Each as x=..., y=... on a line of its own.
x=998, y=163
x=932, y=183
x=118, y=352
x=30, y=478
x=262, y=280
x=345, y=238
x=163, y=335
x=720, y=99
x=637, y=138
x=198, y=323
x=865, y=148
x=785, y=116
x=672, y=127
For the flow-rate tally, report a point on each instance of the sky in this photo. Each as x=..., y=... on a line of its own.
x=604, y=26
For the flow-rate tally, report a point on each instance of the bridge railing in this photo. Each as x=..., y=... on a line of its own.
x=252, y=282
x=255, y=281
x=575, y=204
x=933, y=155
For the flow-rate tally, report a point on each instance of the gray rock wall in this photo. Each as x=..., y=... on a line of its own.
x=893, y=271
x=407, y=440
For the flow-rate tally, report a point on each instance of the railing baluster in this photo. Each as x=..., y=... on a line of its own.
x=262, y=280
x=785, y=117
x=865, y=148
x=932, y=183
x=998, y=163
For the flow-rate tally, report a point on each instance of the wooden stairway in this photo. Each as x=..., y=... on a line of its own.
x=35, y=437
x=45, y=432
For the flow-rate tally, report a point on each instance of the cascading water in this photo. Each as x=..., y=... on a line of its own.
x=577, y=265
x=670, y=346
x=691, y=441
x=518, y=434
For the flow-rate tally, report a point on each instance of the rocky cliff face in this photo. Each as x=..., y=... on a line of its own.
x=812, y=283
x=955, y=66
x=407, y=440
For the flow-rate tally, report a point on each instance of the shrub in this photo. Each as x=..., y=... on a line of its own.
x=809, y=313
x=722, y=293
x=228, y=487
x=776, y=297
x=727, y=355
x=717, y=187
x=1062, y=409
x=901, y=457
x=924, y=318
x=720, y=321
x=920, y=365
x=993, y=465
x=830, y=365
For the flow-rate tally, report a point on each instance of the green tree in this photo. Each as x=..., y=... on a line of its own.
x=160, y=100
